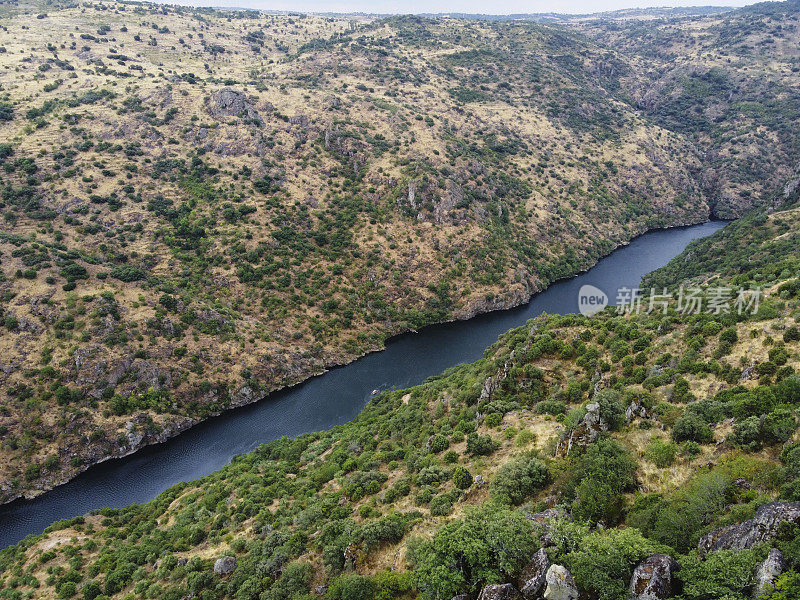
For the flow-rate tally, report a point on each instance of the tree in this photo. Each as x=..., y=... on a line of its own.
x=489, y=545
x=518, y=479
x=612, y=411
x=462, y=478
x=605, y=472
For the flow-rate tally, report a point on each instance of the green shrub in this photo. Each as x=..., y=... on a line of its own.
x=518, y=479
x=604, y=561
x=352, y=587
x=462, y=478
x=489, y=545
x=605, y=472
x=524, y=437
x=787, y=587
x=612, y=410
x=661, y=453
x=127, y=273
x=691, y=427
x=493, y=419
x=722, y=574
x=480, y=445
x=439, y=443
x=551, y=407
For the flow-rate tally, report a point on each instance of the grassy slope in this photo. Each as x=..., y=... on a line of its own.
x=725, y=81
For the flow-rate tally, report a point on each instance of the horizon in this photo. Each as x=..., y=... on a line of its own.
x=444, y=7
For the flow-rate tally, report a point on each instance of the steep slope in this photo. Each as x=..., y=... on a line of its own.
x=661, y=427
x=729, y=83
x=200, y=206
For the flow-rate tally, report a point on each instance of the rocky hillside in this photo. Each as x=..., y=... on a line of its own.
x=728, y=83
x=202, y=206
x=640, y=455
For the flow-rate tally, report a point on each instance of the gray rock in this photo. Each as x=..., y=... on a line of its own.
x=636, y=409
x=560, y=584
x=224, y=565
x=505, y=591
x=762, y=527
x=532, y=578
x=587, y=432
x=652, y=578
x=543, y=523
x=460, y=597
x=767, y=572
x=228, y=102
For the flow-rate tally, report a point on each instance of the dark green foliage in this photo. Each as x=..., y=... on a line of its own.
x=691, y=427
x=518, y=479
x=604, y=473
x=487, y=546
x=480, y=445
x=128, y=273
x=462, y=478
x=722, y=574
x=603, y=563
x=612, y=410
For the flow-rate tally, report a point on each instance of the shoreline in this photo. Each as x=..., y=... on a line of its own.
x=477, y=309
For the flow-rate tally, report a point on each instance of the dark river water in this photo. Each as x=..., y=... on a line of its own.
x=329, y=399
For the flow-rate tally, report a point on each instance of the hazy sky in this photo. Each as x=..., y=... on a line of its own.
x=465, y=6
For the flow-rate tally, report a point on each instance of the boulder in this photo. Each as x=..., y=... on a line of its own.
x=560, y=584
x=228, y=102
x=224, y=565
x=461, y=597
x=587, y=432
x=532, y=578
x=767, y=572
x=652, y=578
x=762, y=527
x=543, y=523
x=504, y=591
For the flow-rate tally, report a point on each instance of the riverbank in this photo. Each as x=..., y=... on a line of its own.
x=140, y=435
x=332, y=399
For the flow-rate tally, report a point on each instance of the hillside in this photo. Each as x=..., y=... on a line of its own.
x=622, y=444
x=200, y=207
x=728, y=83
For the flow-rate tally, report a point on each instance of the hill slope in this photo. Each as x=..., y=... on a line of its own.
x=202, y=206
x=661, y=427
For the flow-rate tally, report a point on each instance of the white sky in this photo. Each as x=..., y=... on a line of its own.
x=463, y=6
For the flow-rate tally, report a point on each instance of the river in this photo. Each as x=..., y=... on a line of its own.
x=329, y=399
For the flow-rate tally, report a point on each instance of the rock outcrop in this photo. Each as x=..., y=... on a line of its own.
x=762, y=527
x=767, y=572
x=542, y=523
x=532, y=578
x=560, y=584
x=228, y=102
x=504, y=591
x=652, y=578
x=224, y=565
x=587, y=432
